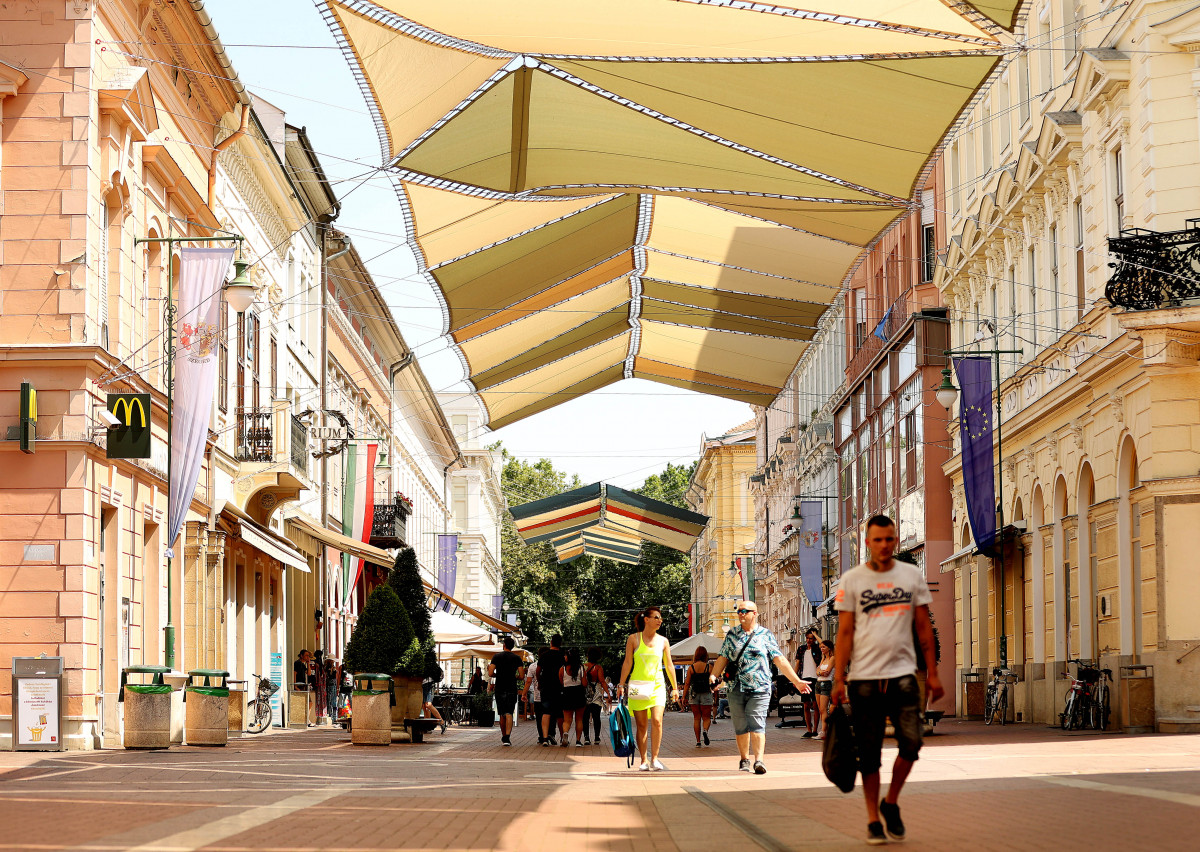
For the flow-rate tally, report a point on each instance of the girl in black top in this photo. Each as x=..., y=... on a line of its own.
x=697, y=692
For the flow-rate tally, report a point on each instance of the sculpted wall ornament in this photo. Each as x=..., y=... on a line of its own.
x=1116, y=402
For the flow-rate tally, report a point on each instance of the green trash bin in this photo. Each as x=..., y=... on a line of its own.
x=206, y=698
x=371, y=715
x=146, y=706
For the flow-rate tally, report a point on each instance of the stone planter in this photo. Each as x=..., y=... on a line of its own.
x=207, y=716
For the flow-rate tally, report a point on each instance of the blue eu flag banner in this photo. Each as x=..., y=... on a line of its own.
x=975, y=428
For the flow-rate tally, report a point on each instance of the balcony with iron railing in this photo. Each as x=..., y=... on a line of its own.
x=873, y=335
x=1155, y=269
x=272, y=436
x=390, y=525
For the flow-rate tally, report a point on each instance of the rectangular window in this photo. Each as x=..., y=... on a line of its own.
x=1052, y=247
x=1012, y=309
x=1118, y=193
x=888, y=450
x=274, y=367
x=1003, y=117
x=240, y=397
x=928, y=253
x=1035, y=320
x=223, y=358
x=985, y=133
x=1080, y=290
x=906, y=360
x=1023, y=93
x=860, y=318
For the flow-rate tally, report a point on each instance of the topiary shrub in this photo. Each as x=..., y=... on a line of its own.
x=383, y=636
x=405, y=581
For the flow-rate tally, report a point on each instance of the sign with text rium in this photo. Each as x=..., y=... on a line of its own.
x=131, y=439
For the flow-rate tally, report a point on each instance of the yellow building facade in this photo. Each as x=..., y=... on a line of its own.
x=1089, y=134
x=720, y=488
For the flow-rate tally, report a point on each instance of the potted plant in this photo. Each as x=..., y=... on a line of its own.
x=382, y=640
x=405, y=581
x=482, y=713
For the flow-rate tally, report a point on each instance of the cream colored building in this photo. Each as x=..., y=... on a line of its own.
x=720, y=488
x=1092, y=132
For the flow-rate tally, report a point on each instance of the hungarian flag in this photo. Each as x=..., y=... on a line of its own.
x=358, y=509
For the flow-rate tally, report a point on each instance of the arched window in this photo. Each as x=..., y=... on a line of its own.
x=1037, y=519
x=1086, y=535
x=1129, y=551
x=1062, y=574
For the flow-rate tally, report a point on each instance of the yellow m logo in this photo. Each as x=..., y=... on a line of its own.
x=128, y=403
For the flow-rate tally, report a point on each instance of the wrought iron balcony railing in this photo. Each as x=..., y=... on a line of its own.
x=1154, y=269
x=390, y=526
x=254, y=442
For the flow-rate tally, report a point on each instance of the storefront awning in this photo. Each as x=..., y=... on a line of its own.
x=372, y=554
x=268, y=542
x=502, y=626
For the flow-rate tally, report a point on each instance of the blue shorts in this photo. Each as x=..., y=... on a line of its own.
x=749, y=711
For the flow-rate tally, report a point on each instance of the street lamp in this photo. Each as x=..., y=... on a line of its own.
x=946, y=394
x=239, y=292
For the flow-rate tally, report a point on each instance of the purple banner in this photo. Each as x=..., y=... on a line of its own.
x=975, y=430
x=497, y=605
x=811, y=549
x=447, y=565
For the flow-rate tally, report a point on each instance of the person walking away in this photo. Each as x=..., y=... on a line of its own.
x=806, y=664
x=751, y=649
x=331, y=689
x=647, y=656
x=549, y=666
x=879, y=602
x=433, y=676
x=597, y=695
x=505, y=668
x=698, y=693
x=533, y=693
x=824, y=684
x=304, y=679
x=573, y=677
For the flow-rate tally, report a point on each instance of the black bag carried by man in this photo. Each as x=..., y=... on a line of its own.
x=840, y=760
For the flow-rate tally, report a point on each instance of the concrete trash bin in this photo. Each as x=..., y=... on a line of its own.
x=146, y=708
x=973, y=694
x=206, y=698
x=372, y=700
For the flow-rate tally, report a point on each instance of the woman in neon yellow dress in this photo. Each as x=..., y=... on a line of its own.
x=646, y=656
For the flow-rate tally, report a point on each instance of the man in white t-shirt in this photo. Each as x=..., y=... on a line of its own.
x=879, y=603
x=807, y=661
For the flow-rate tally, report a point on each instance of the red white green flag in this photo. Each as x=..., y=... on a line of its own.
x=358, y=509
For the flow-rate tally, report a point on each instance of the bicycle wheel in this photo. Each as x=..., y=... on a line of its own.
x=1079, y=714
x=989, y=706
x=260, y=716
x=1002, y=706
x=1068, y=711
x=1100, y=708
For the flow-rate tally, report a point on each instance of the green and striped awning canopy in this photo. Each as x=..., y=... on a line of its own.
x=607, y=522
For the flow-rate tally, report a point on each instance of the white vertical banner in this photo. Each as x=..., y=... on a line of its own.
x=201, y=273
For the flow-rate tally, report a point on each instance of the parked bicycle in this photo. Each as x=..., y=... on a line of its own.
x=1088, y=702
x=258, y=713
x=997, y=699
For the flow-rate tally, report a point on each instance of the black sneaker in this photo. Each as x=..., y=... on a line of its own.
x=505, y=741
x=744, y=764
x=706, y=738
x=759, y=768
x=891, y=816
x=545, y=743
x=807, y=734
x=875, y=835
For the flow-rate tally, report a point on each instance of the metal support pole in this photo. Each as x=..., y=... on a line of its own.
x=169, y=629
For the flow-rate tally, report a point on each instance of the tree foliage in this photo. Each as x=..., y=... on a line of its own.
x=405, y=581
x=382, y=637
x=590, y=601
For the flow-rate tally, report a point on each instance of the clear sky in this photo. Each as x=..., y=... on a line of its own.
x=283, y=51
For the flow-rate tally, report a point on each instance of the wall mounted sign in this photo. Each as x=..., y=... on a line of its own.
x=131, y=439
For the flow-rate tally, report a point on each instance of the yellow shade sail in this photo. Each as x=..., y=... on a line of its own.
x=673, y=190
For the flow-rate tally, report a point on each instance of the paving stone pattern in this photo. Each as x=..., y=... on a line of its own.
x=1019, y=787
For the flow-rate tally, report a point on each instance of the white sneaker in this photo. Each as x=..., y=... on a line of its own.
x=645, y=767
x=658, y=767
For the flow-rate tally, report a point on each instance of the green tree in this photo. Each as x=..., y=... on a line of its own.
x=382, y=636
x=405, y=581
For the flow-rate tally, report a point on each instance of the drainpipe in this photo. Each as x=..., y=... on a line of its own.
x=221, y=146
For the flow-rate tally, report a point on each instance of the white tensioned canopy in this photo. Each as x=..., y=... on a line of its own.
x=672, y=190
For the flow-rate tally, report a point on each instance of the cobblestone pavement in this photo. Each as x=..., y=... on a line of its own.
x=1019, y=787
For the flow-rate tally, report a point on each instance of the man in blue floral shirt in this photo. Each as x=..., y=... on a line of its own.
x=749, y=651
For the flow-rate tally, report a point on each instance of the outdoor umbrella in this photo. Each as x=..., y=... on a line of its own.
x=688, y=646
x=486, y=652
x=673, y=190
x=449, y=628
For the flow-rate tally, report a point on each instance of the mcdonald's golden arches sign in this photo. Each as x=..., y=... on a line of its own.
x=130, y=440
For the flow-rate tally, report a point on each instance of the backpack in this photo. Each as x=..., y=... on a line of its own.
x=620, y=729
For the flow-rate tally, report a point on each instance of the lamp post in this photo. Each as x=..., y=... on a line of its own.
x=239, y=293
x=946, y=394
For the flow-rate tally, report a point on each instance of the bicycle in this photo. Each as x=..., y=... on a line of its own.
x=258, y=711
x=996, y=701
x=1087, y=701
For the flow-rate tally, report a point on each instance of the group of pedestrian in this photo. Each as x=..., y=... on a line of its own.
x=321, y=678
x=567, y=692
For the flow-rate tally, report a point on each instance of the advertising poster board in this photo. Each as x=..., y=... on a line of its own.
x=37, y=704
